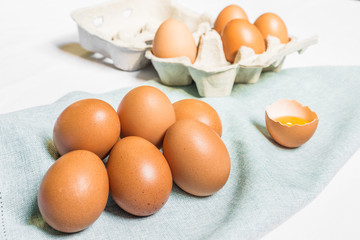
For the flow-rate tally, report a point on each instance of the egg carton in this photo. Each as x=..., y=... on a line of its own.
x=124, y=29
x=213, y=75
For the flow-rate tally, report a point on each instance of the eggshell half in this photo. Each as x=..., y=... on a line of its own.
x=290, y=136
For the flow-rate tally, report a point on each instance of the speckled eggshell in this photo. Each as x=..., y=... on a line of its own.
x=88, y=124
x=74, y=191
x=139, y=175
x=290, y=136
x=146, y=112
x=198, y=158
x=200, y=111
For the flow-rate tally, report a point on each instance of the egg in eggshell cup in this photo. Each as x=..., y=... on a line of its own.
x=290, y=123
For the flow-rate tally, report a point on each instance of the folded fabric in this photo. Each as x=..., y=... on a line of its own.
x=267, y=184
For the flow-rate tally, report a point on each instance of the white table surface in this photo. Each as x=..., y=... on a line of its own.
x=41, y=60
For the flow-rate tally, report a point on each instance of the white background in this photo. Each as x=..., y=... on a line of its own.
x=41, y=60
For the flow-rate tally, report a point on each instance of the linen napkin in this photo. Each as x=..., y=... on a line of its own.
x=267, y=184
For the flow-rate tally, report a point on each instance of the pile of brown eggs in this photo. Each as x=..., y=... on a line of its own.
x=75, y=189
x=174, y=39
x=139, y=177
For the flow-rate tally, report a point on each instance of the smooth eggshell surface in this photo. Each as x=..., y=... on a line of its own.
x=200, y=111
x=290, y=136
x=74, y=191
x=271, y=24
x=238, y=33
x=198, y=158
x=88, y=124
x=146, y=112
x=174, y=39
x=227, y=14
x=139, y=175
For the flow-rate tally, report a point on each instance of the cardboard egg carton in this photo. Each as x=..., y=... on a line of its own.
x=213, y=75
x=123, y=30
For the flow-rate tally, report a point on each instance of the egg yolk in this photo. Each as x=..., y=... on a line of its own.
x=290, y=120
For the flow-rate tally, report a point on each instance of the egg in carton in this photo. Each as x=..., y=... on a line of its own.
x=123, y=30
x=213, y=75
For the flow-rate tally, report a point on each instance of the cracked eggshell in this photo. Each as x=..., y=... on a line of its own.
x=213, y=75
x=295, y=135
x=123, y=30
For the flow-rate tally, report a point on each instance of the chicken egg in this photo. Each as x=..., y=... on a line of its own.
x=139, y=175
x=146, y=112
x=238, y=33
x=227, y=14
x=271, y=24
x=198, y=158
x=290, y=123
x=74, y=191
x=198, y=110
x=174, y=39
x=88, y=124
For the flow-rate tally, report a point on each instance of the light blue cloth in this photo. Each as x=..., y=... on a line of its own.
x=267, y=183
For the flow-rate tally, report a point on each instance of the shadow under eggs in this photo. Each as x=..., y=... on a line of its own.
x=50, y=146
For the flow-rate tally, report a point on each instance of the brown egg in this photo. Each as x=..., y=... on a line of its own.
x=200, y=111
x=238, y=33
x=198, y=158
x=74, y=191
x=227, y=14
x=272, y=24
x=289, y=123
x=88, y=124
x=139, y=175
x=146, y=112
x=174, y=39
